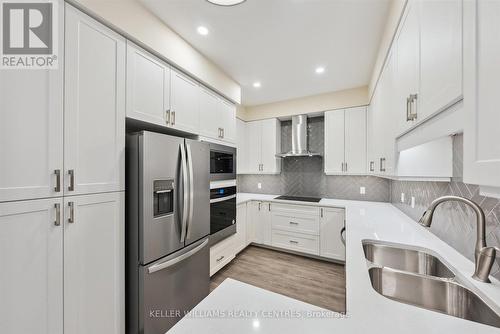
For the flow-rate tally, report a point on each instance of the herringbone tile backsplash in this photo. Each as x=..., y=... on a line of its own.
x=304, y=175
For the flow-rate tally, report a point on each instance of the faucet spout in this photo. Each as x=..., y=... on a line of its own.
x=484, y=256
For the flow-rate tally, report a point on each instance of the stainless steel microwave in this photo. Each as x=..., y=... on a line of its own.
x=222, y=162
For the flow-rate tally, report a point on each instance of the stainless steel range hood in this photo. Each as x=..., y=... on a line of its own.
x=299, y=139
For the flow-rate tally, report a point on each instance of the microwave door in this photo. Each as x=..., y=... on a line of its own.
x=198, y=159
x=161, y=198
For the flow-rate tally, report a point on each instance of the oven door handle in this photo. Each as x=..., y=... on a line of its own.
x=221, y=199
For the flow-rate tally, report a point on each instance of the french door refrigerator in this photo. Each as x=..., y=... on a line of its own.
x=167, y=227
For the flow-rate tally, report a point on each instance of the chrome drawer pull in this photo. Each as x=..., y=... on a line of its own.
x=220, y=259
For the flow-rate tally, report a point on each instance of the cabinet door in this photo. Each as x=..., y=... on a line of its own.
x=270, y=146
x=331, y=224
x=265, y=221
x=185, y=103
x=440, y=55
x=210, y=119
x=31, y=131
x=252, y=222
x=241, y=147
x=254, y=143
x=334, y=141
x=148, y=87
x=240, y=241
x=408, y=69
x=31, y=279
x=94, y=119
x=94, y=267
x=355, y=140
x=482, y=84
x=228, y=117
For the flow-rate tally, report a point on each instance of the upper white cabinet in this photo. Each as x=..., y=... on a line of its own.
x=481, y=87
x=31, y=132
x=345, y=141
x=94, y=264
x=94, y=122
x=331, y=224
x=148, y=87
x=263, y=142
x=31, y=253
x=440, y=55
x=241, y=147
x=217, y=117
x=184, y=113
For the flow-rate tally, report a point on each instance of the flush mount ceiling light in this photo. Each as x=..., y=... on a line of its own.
x=202, y=30
x=256, y=84
x=320, y=70
x=226, y=2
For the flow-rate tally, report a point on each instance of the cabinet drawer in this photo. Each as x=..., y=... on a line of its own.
x=298, y=223
x=221, y=254
x=295, y=210
x=297, y=242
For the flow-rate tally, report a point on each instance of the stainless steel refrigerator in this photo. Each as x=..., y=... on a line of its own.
x=167, y=228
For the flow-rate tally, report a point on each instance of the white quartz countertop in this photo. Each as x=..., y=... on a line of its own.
x=235, y=307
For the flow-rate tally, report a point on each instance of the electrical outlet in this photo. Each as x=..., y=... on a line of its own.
x=413, y=202
x=402, y=197
x=362, y=190
x=259, y=185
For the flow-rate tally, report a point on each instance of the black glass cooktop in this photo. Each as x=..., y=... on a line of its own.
x=299, y=198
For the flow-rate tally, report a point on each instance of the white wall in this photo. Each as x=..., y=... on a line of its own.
x=142, y=26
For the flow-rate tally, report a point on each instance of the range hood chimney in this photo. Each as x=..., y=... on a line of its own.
x=299, y=139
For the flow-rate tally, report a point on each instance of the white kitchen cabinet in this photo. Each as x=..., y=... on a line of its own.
x=242, y=154
x=148, y=87
x=241, y=227
x=440, y=55
x=228, y=117
x=217, y=117
x=31, y=279
x=406, y=52
x=94, y=119
x=263, y=143
x=94, y=267
x=261, y=220
x=334, y=141
x=481, y=87
x=345, y=141
x=31, y=131
x=331, y=224
x=252, y=214
x=185, y=103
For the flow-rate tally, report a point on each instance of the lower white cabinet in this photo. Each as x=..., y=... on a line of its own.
x=241, y=227
x=31, y=279
x=94, y=253
x=331, y=224
x=262, y=223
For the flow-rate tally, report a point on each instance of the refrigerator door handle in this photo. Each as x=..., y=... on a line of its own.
x=184, y=194
x=163, y=265
x=191, y=189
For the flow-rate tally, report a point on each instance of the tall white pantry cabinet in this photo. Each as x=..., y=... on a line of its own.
x=62, y=186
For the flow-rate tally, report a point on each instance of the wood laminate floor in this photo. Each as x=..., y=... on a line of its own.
x=313, y=281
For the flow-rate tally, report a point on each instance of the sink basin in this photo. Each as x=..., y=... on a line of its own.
x=414, y=261
x=434, y=294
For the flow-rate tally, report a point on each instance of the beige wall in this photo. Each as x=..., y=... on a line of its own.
x=140, y=25
x=395, y=12
x=310, y=104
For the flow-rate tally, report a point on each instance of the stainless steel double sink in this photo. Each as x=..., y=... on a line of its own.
x=414, y=276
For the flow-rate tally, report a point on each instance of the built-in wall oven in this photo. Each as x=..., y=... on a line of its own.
x=222, y=212
x=222, y=162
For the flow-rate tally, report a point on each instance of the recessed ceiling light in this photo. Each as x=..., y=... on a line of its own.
x=256, y=84
x=226, y=2
x=320, y=70
x=202, y=30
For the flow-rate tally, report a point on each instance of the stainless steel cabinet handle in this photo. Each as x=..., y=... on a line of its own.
x=220, y=259
x=184, y=193
x=294, y=242
x=57, y=188
x=169, y=263
x=346, y=167
x=71, y=186
x=321, y=212
x=382, y=164
x=173, y=118
x=167, y=116
x=223, y=134
x=372, y=166
x=342, y=237
x=57, y=222
x=342, y=166
x=191, y=189
x=260, y=205
x=411, y=108
x=71, y=218
x=269, y=207
x=294, y=223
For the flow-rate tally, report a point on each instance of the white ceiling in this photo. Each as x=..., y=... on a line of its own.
x=280, y=42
